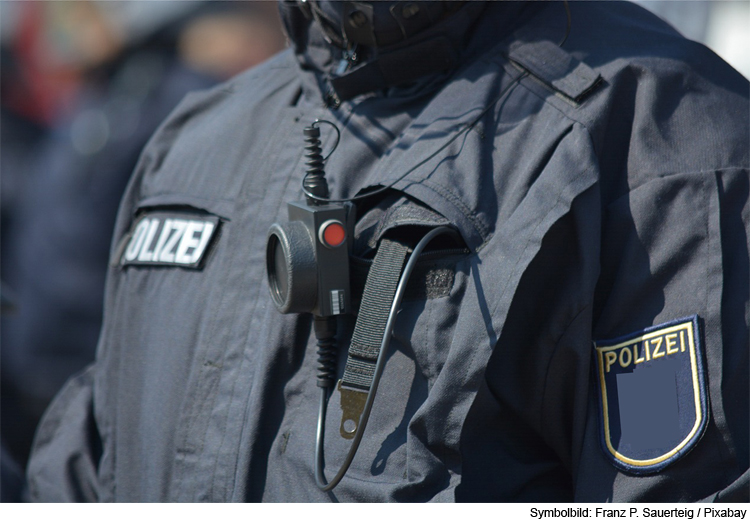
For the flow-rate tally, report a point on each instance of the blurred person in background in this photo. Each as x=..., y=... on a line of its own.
x=84, y=85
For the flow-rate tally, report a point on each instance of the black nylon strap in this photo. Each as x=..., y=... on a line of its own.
x=380, y=289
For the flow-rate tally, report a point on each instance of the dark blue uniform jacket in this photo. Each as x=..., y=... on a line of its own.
x=586, y=341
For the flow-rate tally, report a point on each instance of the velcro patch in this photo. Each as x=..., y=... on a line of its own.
x=653, y=403
x=169, y=239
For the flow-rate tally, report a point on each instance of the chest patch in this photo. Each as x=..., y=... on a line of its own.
x=169, y=239
x=653, y=405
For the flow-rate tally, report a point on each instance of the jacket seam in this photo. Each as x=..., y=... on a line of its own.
x=654, y=177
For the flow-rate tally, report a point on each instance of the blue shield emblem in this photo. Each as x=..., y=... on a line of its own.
x=653, y=405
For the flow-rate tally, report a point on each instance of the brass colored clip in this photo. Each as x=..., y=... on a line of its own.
x=352, y=406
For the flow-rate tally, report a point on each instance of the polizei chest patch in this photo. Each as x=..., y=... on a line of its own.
x=169, y=239
x=653, y=405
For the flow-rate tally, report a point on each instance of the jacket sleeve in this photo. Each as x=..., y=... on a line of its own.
x=67, y=447
x=672, y=248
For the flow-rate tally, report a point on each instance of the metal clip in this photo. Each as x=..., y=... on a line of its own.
x=352, y=406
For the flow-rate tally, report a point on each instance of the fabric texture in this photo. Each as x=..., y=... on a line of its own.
x=601, y=190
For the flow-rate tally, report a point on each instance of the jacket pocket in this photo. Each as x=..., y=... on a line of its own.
x=166, y=317
x=390, y=449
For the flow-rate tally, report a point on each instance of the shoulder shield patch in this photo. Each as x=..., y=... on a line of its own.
x=169, y=239
x=653, y=404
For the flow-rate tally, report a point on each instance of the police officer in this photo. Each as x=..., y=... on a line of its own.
x=579, y=333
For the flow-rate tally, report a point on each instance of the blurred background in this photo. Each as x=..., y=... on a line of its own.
x=83, y=85
x=722, y=25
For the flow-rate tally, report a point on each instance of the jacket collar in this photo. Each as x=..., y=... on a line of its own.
x=435, y=51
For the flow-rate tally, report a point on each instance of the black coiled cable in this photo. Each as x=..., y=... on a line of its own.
x=325, y=333
x=314, y=184
x=314, y=181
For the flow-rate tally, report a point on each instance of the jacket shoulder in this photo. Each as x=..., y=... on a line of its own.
x=650, y=98
x=223, y=111
x=244, y=91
